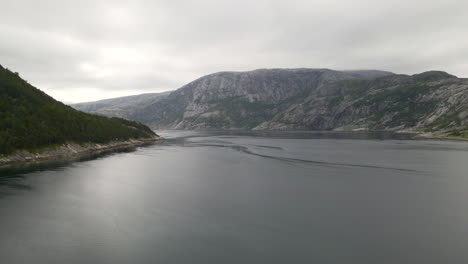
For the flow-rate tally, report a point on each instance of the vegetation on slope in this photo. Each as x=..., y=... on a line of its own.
x=30, y=119
x=463, y=133
x=313, y=99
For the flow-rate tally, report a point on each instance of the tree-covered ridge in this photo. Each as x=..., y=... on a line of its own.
x=30, y=119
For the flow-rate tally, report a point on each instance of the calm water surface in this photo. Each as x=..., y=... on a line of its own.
x=244, y=197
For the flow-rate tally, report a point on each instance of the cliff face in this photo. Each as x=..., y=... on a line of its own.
x=313, y=99
x=428, y=101
x=240, y=100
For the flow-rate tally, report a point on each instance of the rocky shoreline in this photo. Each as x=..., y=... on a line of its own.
x=71, y=151
x=439, y=137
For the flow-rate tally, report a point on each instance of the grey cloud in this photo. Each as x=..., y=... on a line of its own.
x=125, y=47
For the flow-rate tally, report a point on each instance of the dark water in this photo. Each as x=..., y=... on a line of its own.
x=244, y=197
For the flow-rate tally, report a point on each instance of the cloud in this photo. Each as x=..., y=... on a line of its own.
x=88, y=50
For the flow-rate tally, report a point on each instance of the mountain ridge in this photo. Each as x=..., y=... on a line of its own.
x=119, y=106
x=313, y=99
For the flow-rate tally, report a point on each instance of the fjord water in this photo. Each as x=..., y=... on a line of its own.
x=244, y=197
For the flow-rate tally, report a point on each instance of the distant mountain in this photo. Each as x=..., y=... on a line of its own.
x=313, y=99
x=121, y=106
x=30, y=119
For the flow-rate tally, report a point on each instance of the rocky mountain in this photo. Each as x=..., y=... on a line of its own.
x=313, y=99
x=32, y=120
x=121, y=106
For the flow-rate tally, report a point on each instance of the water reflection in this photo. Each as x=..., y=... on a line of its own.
x=244, y=197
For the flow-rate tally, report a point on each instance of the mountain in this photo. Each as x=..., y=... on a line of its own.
x=30, y=119
x=121, y=106
x=313, y=99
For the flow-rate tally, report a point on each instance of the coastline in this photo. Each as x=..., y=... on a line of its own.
x=71, y=151
x=439, y=137
x=416, y=135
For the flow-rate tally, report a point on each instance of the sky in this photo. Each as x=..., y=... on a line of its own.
x=87, y=50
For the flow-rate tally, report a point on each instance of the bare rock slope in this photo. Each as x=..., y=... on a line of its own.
x=313, y=99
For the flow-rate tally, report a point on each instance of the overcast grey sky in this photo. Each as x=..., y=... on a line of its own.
x=93, y=49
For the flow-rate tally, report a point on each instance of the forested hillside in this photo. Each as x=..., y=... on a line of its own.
x=30, y=119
